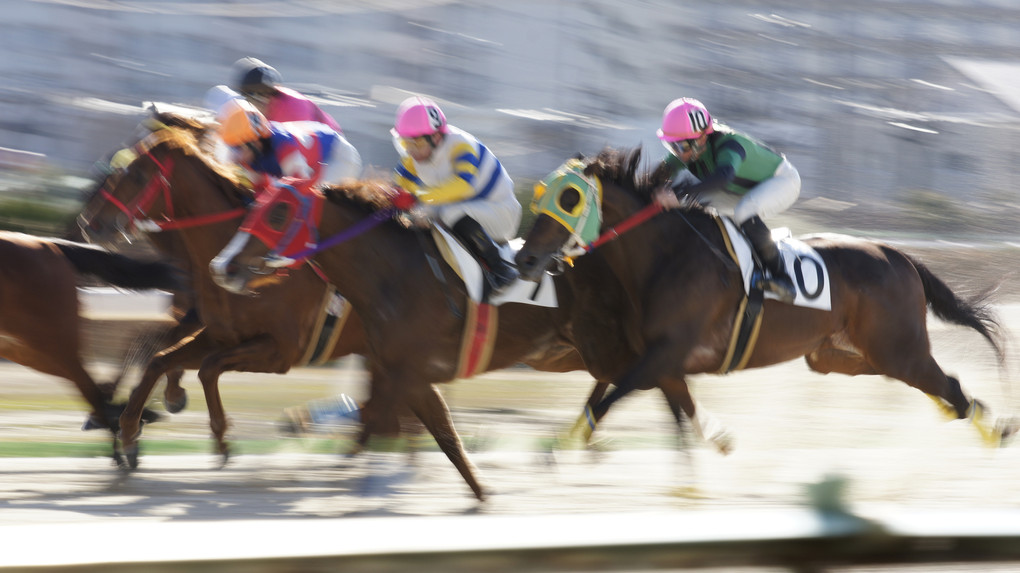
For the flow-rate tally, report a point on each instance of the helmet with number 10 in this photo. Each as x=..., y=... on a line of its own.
x=418, y=116
x=685, y=118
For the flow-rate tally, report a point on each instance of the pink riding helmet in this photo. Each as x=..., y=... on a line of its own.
x=418, y=116
x=685, y=118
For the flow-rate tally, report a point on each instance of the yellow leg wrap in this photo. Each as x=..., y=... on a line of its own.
x=989, y=434
x=584, y=426
x=947, y=410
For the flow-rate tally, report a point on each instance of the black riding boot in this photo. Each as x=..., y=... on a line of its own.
x=499, y=273
x=778, y=282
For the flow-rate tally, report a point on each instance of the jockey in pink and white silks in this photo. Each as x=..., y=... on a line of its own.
x=453, y=177
x=259, y=84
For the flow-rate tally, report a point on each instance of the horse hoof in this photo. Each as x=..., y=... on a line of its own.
x=687, y=492
x=175, y=406
x=723, y=442
x=1007, y=430
x=224, y=451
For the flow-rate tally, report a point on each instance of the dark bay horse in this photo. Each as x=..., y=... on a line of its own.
x=414, y=337
x=685, y=293
x=39, y=309
x=176, y=182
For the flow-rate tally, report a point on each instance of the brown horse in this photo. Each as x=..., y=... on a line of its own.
x=686, y=292
x=176, y=182
x=413, y=319
x=39, y=319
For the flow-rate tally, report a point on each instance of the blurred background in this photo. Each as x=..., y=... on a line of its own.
x=902, y=115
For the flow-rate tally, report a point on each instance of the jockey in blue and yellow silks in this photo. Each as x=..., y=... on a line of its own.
x=457, y=180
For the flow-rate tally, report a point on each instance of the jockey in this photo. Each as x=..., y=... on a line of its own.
x=457, y=180
x=301, y=149
x=259, y=84
x=726, y=160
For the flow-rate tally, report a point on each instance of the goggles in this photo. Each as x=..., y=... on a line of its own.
x=681, y=146
x=419, y=143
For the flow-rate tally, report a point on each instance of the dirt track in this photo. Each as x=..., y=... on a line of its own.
x=792, y=428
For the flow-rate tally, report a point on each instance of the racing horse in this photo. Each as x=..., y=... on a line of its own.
x=413, y=310
x=176, y=184
x=191, y=205
x=39, y=309
x=686, y=292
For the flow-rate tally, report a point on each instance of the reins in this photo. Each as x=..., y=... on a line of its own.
x=362, y=226
x=627, y=224
x=139, y=207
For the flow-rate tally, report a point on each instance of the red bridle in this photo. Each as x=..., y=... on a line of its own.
x=137, y=210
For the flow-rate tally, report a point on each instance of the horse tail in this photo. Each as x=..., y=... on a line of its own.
x=975, y=313
x=120, y=270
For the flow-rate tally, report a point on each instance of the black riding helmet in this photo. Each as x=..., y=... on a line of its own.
x=255, y=77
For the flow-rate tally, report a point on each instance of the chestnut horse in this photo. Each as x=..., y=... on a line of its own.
x=193, y=205
x=686, y=292
x=176, y=182
x=413, y=318
x=39, y=320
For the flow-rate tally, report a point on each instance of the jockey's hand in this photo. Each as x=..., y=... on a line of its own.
x=402, y=199
x=666, y=198
x=420, y=216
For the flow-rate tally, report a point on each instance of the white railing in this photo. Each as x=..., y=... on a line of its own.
x=801, y=539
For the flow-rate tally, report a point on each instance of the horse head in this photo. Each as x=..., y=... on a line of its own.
x=282, y=231
x=156, y=183
x=576, y=202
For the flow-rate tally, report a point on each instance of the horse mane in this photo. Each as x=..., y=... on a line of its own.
x=171, y=119
x=620, y=167
x=372, y=194
x=189, y=138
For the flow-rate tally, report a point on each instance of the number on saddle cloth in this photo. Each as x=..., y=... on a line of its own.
x=803, y=264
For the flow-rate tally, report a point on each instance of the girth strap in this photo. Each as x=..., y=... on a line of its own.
x=747, y=324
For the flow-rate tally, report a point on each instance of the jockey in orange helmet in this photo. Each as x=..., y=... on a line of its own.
x=259, y=84
x=457, y=180
x=726, y=160
x=302, y=149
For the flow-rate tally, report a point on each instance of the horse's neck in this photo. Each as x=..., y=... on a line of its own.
x=385, y=259
x=195, y=196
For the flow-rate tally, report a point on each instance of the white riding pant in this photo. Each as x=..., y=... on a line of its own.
x=344, y=162
x=770, y=197
x=500, y=219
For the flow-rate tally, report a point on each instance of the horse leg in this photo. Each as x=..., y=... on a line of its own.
x=426, y=403
x=905, y=356
x=665, y=358
x=175, y=398
x=100, y=402
x=706, y=426
x=585, y=424
x=255, y=355
x=188, y=351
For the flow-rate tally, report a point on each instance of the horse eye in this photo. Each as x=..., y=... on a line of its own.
x=569, y=199
x=278, y=216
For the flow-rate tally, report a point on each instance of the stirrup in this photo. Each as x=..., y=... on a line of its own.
x=782, y=287
x=499, y=281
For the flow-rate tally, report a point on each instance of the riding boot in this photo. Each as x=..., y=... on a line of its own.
x=778, y=281
x=499, y=273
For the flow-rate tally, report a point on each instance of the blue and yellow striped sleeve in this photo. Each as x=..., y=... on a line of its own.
x=407, y=175
x=461, y=185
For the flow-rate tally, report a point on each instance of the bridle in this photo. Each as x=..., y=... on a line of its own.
x=137, y=209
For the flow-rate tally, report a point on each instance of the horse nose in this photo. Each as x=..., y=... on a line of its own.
x=526, y=264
